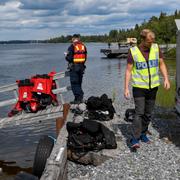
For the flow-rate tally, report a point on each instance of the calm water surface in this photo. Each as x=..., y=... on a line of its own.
x=18, y=143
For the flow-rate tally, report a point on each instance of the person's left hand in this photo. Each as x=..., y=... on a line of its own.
x=167, y=84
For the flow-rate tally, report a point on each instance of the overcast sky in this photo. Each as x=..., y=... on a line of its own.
x=42, y=19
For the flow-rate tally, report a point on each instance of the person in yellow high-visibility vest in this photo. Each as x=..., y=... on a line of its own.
x=143, y=64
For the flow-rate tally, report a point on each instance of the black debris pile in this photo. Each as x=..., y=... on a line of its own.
x=129, y=115
x=88, y=136
x=100, y=108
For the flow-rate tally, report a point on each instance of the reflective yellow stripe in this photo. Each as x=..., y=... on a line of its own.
x=144, y=77
x=83, y=48
x=77, y=48
x=79, y=60
x=145, y=83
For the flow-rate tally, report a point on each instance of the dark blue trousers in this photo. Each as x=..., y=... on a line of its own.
x=76, y=77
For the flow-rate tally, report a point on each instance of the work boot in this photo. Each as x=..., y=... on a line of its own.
x=134, y=143
x=144, y=138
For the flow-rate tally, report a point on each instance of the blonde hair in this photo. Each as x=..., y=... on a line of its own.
x=145, y=32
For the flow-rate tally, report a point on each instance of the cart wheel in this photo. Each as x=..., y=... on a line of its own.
x=43, y=151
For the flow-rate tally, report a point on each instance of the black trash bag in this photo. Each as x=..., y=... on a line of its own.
x=89, y=136
x=110, y=139
x=98, y=115
x=91, y=127
x=129, y=115
x=80, y=143
x=78, y=139
x=93, y=103
x=83, y=139
x=107, y=105
x=103, y=104
x=73, y=127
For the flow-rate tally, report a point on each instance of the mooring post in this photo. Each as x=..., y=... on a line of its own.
x=177, y=106
x=60, y=121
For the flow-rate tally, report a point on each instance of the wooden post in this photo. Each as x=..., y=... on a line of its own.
x=60, y=121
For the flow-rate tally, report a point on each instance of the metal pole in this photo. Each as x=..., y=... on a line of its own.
x=178, y=73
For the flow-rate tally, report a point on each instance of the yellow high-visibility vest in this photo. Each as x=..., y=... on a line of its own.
x=145, y=74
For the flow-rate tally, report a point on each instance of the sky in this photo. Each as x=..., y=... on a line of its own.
x=44, y=19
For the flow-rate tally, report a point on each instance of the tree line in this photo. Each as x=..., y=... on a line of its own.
x=163, y=26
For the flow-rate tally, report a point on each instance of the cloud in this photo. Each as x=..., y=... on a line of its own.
x=42, y=19
x=43, y=4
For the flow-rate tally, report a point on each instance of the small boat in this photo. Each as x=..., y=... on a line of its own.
x=120, y=52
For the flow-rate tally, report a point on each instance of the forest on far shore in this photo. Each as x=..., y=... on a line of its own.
x=164, y=27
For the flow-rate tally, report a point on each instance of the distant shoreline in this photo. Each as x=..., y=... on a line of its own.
x=39, y=42
x=23, y=42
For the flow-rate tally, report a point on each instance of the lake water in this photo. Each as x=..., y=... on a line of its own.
x=18, y=143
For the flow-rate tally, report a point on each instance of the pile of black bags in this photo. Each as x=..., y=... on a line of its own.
x=100, y=108
x=89, y=136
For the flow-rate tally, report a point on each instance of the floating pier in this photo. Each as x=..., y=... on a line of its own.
x=122, y=51
x=116, y=53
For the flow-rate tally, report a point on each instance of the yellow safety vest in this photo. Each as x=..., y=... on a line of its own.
x=145, y=74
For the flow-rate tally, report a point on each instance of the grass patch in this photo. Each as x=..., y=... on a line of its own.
x=171, y=54
x=166, y=98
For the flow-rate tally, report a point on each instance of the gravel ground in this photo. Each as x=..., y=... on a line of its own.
x=159, y=160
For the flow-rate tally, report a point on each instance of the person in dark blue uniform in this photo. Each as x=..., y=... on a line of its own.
x=76, y=57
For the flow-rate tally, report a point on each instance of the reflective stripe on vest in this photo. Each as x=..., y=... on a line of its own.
x=140, y=72
x=79, y=53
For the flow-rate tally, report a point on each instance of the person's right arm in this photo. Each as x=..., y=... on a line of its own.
x=70, y=54
x=127, y=80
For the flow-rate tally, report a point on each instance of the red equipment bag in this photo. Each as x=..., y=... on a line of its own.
x=35, y=93
x=26, y=101
x=42, y=89
x=25, y=90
